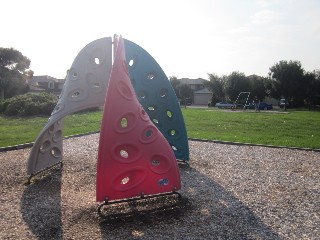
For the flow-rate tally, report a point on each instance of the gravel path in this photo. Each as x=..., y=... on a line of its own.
x=229, y=192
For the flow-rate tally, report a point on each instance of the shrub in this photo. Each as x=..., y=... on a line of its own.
x=29, y=104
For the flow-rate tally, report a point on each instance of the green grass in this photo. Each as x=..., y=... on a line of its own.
x=295, y=129
x=15, y=131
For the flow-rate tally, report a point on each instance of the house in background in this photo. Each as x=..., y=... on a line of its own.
x=47, y=84
x=201, y=94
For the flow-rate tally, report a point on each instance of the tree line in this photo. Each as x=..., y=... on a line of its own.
x=286, y=79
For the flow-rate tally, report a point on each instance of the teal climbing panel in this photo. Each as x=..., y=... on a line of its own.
x=157, y=97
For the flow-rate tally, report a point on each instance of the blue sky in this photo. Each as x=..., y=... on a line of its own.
x=188, y=38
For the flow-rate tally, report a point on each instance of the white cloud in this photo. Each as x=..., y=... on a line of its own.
x=264, y=17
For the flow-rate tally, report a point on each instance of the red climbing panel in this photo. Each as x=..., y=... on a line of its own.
x=134, y=158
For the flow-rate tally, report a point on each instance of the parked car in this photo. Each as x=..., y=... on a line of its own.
x=283, y=102
x=265, y=106
x=224, y=104
x=262, y=106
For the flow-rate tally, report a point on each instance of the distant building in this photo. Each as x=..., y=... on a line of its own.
x=201, y=94
x=46, y=83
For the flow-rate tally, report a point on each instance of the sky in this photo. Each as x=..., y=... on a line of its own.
x=188, y=38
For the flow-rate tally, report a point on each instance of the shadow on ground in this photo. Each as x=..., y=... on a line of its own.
x=216, y=215
x=42, y=211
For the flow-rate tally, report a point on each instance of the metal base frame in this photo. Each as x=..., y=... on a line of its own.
x=183, y=162
x=45, y=172
x=133, y=201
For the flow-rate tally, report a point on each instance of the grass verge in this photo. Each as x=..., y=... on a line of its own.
x=295, y=129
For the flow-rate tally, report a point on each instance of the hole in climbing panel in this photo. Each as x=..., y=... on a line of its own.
x=169, y=114
x=93, y=82
x=75, y=94
x=174, y=148
x=51, y=129
x=163, y=93
x=151, y=108
x=124, y=122
x=125, y=180
x=159, y=164
x=124, y=154
x=129, y=179
x=73, y=73
x=57, y=136
x=96, y=85
x=133, y=82
x=96, y=60
x=143, y=115
x=149, y=134
x=45, y=146
x=97, y=57
x=55, y=152
x=132, y=61
x=155, y=162
x=151, y=76
x=172, y=132
x=143, y=95
x=57, y=108
x=124, y=90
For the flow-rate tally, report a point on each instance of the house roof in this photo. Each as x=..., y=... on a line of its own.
x=197, y=81
x=203, y=90
x=45, y=78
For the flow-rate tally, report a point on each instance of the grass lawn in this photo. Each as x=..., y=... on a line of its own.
x=15, y=131
x=295, y=129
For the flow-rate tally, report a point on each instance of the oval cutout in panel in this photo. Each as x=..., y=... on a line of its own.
x=45, y=146
x=124, y=90
x=129, y=179
x=126, y=153
x=159, y=164
x=97, y=57
x=143, y=115
x=94, y=82
x=57, y=109
x=74, y=74
x=126, y=123
x=77, y=95
x=149, y=134
x=55, y=152
x=163, y=93
x=57, y=136
x=143, y=94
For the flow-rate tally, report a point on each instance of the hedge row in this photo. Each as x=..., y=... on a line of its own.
x=29, y=104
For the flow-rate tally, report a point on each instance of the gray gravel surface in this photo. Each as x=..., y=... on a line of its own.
x=228, y=192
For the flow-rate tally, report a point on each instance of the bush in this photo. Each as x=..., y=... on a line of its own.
x=29, y=104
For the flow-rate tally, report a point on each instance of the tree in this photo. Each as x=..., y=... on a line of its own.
x=175, y=85
x=235, y=83
x=260, y=86
x=186, y=93
x=289, y=80
x=14, y=72
x=216, y=86
x=313, y=87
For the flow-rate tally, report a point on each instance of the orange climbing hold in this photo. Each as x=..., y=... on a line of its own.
x=134, y=158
